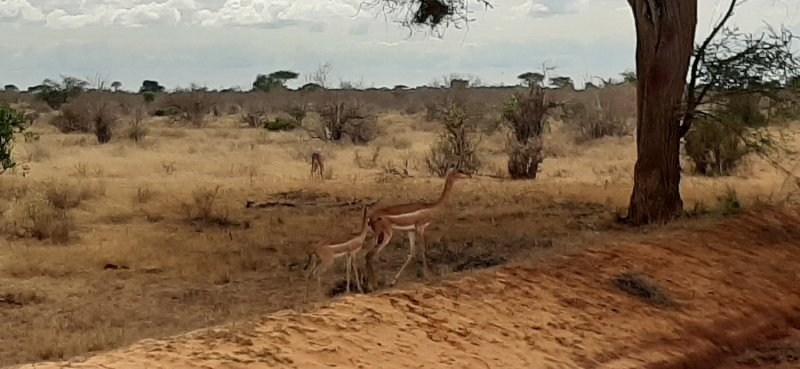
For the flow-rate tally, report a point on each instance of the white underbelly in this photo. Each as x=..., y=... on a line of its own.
x=407, y=228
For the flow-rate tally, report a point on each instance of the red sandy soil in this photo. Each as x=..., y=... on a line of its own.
x=782, y=353
x=737, y=284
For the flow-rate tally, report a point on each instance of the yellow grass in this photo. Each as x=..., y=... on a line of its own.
x=169, y=213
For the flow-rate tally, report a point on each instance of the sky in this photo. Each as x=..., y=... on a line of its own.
x=226, y=43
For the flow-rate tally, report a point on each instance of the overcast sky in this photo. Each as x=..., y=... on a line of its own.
x=225, y=43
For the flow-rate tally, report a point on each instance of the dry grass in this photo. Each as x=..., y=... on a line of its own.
x=126, y=240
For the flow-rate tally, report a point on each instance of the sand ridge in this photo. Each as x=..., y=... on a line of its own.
x=737, y=282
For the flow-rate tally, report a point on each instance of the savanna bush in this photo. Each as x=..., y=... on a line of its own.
x=526, y=116
x=89, y=113
x=716, y=143
x=11, y=123
x=35, y=216
x=340, y=119
x=457, y=146
x=601, y=113
x=281, y=124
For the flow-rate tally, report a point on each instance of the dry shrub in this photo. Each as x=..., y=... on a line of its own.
x=298, y=112
x=201, y=206
x=11, y=189
x=63, y=195
x=600, y=113
x=456, y=148
x=37, y=153
x=89, y=113
x=35, y=216
x=526, y=116
x=253, y=109
x=340, y=119
x=524, y=160
x=193, y=105
x=367, y=162
x=136, y=132
x=71, y=118
x=595, y=122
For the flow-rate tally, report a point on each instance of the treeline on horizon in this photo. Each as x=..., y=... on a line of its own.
x=314, y=81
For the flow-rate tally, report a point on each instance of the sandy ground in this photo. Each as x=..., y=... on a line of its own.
x=736, y=285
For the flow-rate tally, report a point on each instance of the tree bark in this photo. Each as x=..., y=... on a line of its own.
x=665, y=32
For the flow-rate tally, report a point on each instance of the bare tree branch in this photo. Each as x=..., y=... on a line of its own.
x=692, y=101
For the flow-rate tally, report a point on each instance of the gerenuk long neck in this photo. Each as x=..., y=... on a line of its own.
x=448, y=186
x=364, y=223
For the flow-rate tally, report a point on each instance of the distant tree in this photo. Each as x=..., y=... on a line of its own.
x=56, y=94
x=309, y=87
x=320, y=76
x=10, y=88
x=446, y=80
x=628, y=76
x=561, y=82
x=531, y=79
x=268, y=82
x=152, y=86
x=116, y=85
x=97, y=82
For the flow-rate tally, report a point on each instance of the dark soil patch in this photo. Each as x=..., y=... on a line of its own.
x=341, y=286
x=640, y=287
x=306, y=198
x=482, y=261
x=19, y=298
x=774, y=353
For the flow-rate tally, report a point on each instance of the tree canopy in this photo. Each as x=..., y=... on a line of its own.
x=275, y=79
x=531, y=78
x=152, y=86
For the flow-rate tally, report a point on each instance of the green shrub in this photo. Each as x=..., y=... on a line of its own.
x=281, y=124
x=169, y=111
x=11, y=122
x=149, y=96
x=56, y=94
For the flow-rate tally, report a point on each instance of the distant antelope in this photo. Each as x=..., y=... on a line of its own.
x=318, y=165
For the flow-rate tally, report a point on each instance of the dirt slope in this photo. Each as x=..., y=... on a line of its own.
x=738, y=284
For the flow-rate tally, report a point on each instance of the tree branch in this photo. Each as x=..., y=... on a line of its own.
x=691, y=100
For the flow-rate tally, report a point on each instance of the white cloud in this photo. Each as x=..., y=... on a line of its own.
x=132, y=13
x=547, y=8
x=121, y=13
x=228, y=42
x=19, y=11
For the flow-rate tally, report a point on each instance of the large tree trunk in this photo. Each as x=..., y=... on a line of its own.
x=665, y=39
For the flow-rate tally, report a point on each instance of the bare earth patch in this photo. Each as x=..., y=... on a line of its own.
x=736, y=284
